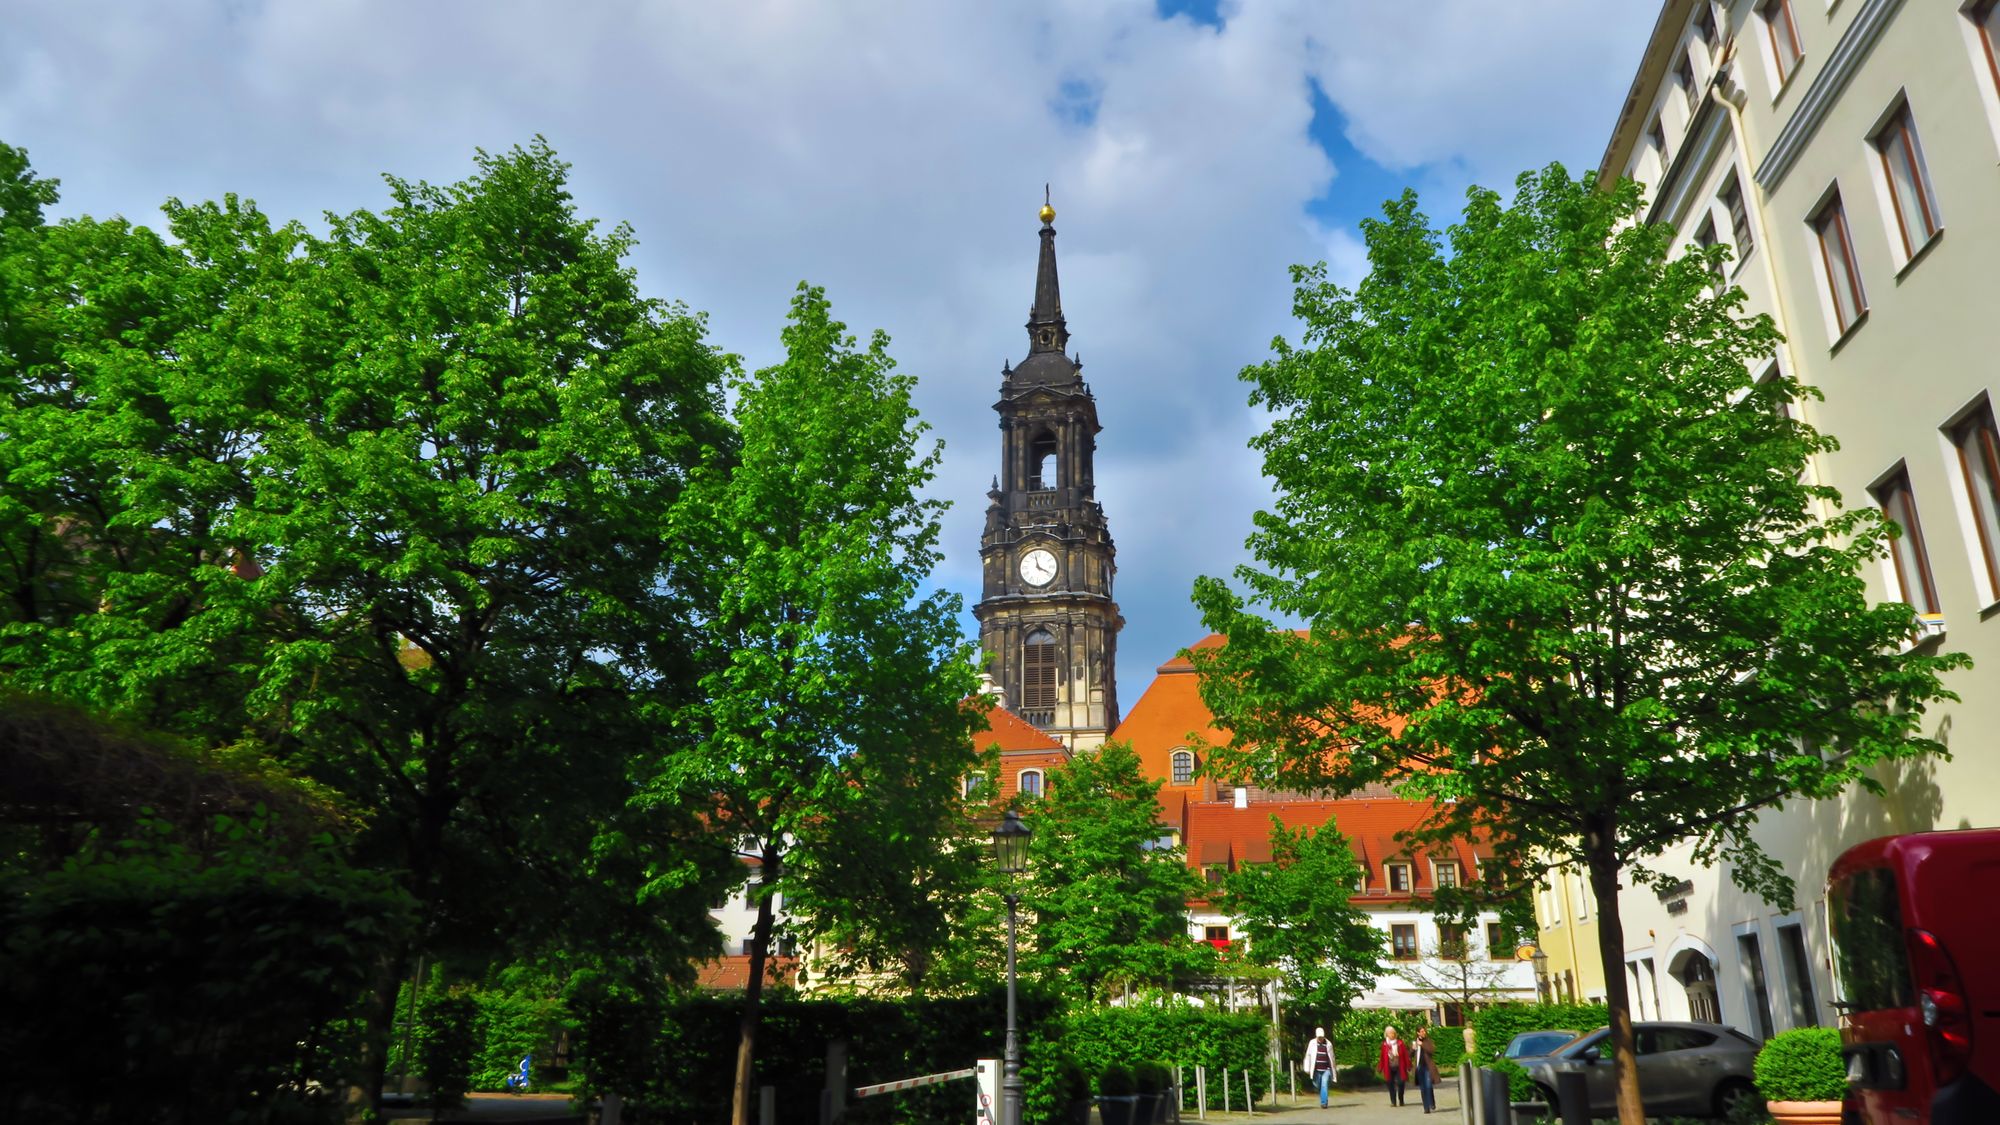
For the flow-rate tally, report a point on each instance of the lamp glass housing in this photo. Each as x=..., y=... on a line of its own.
x=1010, y=843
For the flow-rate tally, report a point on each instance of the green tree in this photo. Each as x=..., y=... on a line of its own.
x=1109, y=906
x=832, y=701
x=393, y=505
x=1562, y=567
x=1298, y=915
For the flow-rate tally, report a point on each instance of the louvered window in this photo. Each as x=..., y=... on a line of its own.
x=1040, y=670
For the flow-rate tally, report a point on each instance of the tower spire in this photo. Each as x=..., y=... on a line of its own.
x=1046, y=330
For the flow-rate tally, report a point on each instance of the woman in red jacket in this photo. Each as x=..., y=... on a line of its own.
x=1395, y=1064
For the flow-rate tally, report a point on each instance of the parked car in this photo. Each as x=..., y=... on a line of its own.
x=1532, y=1044
x=1913, y=921
x=1684, y=1068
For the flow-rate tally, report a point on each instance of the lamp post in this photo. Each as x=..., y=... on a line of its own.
x=1010, y=849
x=1541, y=961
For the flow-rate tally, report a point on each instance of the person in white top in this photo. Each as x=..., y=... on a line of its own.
x=1318, y=1062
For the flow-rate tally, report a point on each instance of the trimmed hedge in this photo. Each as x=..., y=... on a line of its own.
x=1497, y=1025
x=1802, y=1065
x=1175, y=1035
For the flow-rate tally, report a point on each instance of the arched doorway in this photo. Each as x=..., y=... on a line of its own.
x=1697, y=975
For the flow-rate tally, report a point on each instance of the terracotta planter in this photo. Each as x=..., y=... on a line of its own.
x=1804, y=1113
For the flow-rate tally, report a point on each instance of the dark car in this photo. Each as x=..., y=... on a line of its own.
x=1532, y=1044
x=1684, y=1068
x=1913, y=920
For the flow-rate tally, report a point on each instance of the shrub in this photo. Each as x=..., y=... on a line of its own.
x=1802, y=1065
x=1152, y=1077
x=447, y=1044
x=1520, y=1087
x=1497, y=1025
x=1117, y=1080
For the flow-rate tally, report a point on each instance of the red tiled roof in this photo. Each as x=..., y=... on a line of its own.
x=1220, y=833
x=1170, y=713
x=1009, y=731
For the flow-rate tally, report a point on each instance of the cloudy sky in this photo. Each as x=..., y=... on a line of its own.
x=894, y=153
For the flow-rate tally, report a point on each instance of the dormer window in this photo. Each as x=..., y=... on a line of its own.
x=1447, y=873
x=1183, y=762
x=1398, y=875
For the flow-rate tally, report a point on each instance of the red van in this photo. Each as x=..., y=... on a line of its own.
x=1915, y=923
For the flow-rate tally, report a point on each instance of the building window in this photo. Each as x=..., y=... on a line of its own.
x=1582, y=900
x=1496, y=943
x=1183, y=767
x=1451, y=942
x=1783, y=407
x=788, y=946
x=1704, y=24
x=1399, y=877
x=1657, y=134
x=1912, y=562
x=1843, y=277
x=1040, y=671
x=1217, y=936
x=1447, y=873
x=1403, y=940
x=1754, y=983
x=1739, y=218
x=1031, y=783
x=974, y=784
x=1783, y=34
x=1798, y=974
x=1684, y=76
x=1214, y=874
x=1979, y=458
x=1042, y=462
x=1910, y=196
x=1705, y=238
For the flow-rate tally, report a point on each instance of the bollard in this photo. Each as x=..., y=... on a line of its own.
x=767, y=1105
x=1225, y=1089
x=1468, y=1093
x=833, y=1099
x=1573, y=1095
x=1201, y=1091
x=1498, y=1104
x=1249, y=1106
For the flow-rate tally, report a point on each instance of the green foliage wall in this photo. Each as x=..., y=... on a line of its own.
x=150, y=980
x=1802, y=1065
x=1502, y=1022
x=1097, y=1038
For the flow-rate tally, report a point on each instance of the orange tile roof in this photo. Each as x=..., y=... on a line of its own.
x=1218, y=832
x=1168, y=714
x=1009, y=731
x=731, y=973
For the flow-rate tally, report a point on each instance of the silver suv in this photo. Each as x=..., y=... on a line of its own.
x=1684, y=1068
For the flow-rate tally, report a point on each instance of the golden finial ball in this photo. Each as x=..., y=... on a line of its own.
x=1048, y=213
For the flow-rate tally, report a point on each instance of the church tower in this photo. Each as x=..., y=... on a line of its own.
x=1046, y=619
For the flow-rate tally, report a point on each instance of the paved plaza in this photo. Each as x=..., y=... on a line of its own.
x=1346, y=1107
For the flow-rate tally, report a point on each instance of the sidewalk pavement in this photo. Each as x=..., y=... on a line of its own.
x=1369, y=1106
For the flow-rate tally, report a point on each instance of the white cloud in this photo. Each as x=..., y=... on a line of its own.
x=894, y=153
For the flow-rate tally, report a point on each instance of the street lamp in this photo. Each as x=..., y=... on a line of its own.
x=1010, y=851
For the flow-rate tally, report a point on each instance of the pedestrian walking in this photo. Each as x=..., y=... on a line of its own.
x=1423, y=1063
x=1395, y=1064
x=1318, y=1062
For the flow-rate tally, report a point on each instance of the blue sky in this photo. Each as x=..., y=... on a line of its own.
x=893, y=152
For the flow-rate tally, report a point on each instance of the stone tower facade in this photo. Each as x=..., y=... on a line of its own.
x=1047, y=622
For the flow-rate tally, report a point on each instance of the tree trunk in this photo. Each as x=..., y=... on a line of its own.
x=753, y=991
x=1604, y=870
x=378, y=1019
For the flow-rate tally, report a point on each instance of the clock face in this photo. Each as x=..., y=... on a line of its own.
x=1038, y=567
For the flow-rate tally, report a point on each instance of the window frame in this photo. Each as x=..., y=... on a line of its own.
x=1493, y=943
x=1706, y=236
x=1389, y=873
x=1174, y=761
x=1040, y=693
x=1986, y=25
x=1896, y=142
x=1684, y=78
x=1454, y=938
x=1439, y=867
x=1657, y=134
x=1021, y=782
x=1978, y=427
x=1742, y=236
x=1783, y=65
x=1397, y=930
x=1911, y=540
x=1830, y=218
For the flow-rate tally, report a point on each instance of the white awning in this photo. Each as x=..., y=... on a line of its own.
x=1396, y=1001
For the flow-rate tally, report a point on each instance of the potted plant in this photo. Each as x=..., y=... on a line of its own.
x=1802, y=1077
x=1071, y=1093
x=1151, y=1080
x=1117, y=1095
